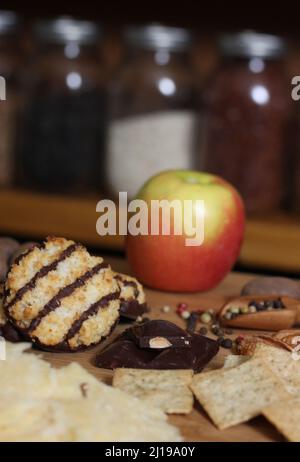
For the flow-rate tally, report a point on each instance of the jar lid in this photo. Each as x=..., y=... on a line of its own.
x=156, y=36
x=252, y=44
x=66, y=29
x=8, y=22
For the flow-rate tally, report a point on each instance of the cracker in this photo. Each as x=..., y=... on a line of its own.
x=234, y=361
x=285, y=416
x=167, y=390
x=282, y=364
x=232, y=396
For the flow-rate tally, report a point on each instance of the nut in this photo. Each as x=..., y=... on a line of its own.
x=159, y=343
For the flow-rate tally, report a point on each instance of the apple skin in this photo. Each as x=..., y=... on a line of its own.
x=165, y=262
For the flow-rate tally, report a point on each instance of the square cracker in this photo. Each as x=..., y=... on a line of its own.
x=285, y=416
x=282, y=364
x=232, y=396
x=167, y=390
x=234, y=361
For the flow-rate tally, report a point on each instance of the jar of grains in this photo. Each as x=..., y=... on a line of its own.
x=64, y=119
x=247, y=107
x=10, y=64
x=152, y=108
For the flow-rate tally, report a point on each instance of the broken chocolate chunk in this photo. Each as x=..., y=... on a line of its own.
x=127, y=352
x=202, y=350
x=159, y=334
x=124, y=353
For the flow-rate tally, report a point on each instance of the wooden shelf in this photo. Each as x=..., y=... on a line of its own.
x=271, y=243
x=37, y=215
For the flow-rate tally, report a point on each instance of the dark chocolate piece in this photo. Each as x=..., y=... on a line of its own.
x=125, y=352
x=132, y=309
x=144, y=335
x=202, y=350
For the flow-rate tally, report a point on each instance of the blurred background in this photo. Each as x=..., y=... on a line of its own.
x=102, y=96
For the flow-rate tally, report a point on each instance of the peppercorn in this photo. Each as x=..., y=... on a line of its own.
x=192, y=322
x=166, y=309
x=216, y=330
x=206, y=318
x=181, y=307
x=244, y=309
x=185, y=314
x=252, y=309
x=226, y=343
x=260, y=306
x=234, y=310
x=203, y=331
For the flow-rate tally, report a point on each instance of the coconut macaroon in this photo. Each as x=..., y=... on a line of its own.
x=133, y=299
x=60, y=297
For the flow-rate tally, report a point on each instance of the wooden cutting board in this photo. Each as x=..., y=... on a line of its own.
x=196, y=426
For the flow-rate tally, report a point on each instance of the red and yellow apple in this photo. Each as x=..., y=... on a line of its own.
x=165, y=262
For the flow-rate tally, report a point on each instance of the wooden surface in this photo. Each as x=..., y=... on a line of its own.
x=196, y=426
x=271, y=242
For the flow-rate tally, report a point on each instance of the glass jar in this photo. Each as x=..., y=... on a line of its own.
x=64, y=120
x=247, y=108
x=10, y=63
x=152, y=108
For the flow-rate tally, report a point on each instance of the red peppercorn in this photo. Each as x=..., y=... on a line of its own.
x=181, y=307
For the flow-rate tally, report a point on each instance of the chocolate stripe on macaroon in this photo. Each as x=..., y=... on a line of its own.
x=127, y=283
x=41, y=274
x=91, y=311
x=64, y=293
x=28, y=251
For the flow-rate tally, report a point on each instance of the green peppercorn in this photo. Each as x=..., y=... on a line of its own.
x=244, y=310
x=206, y=318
